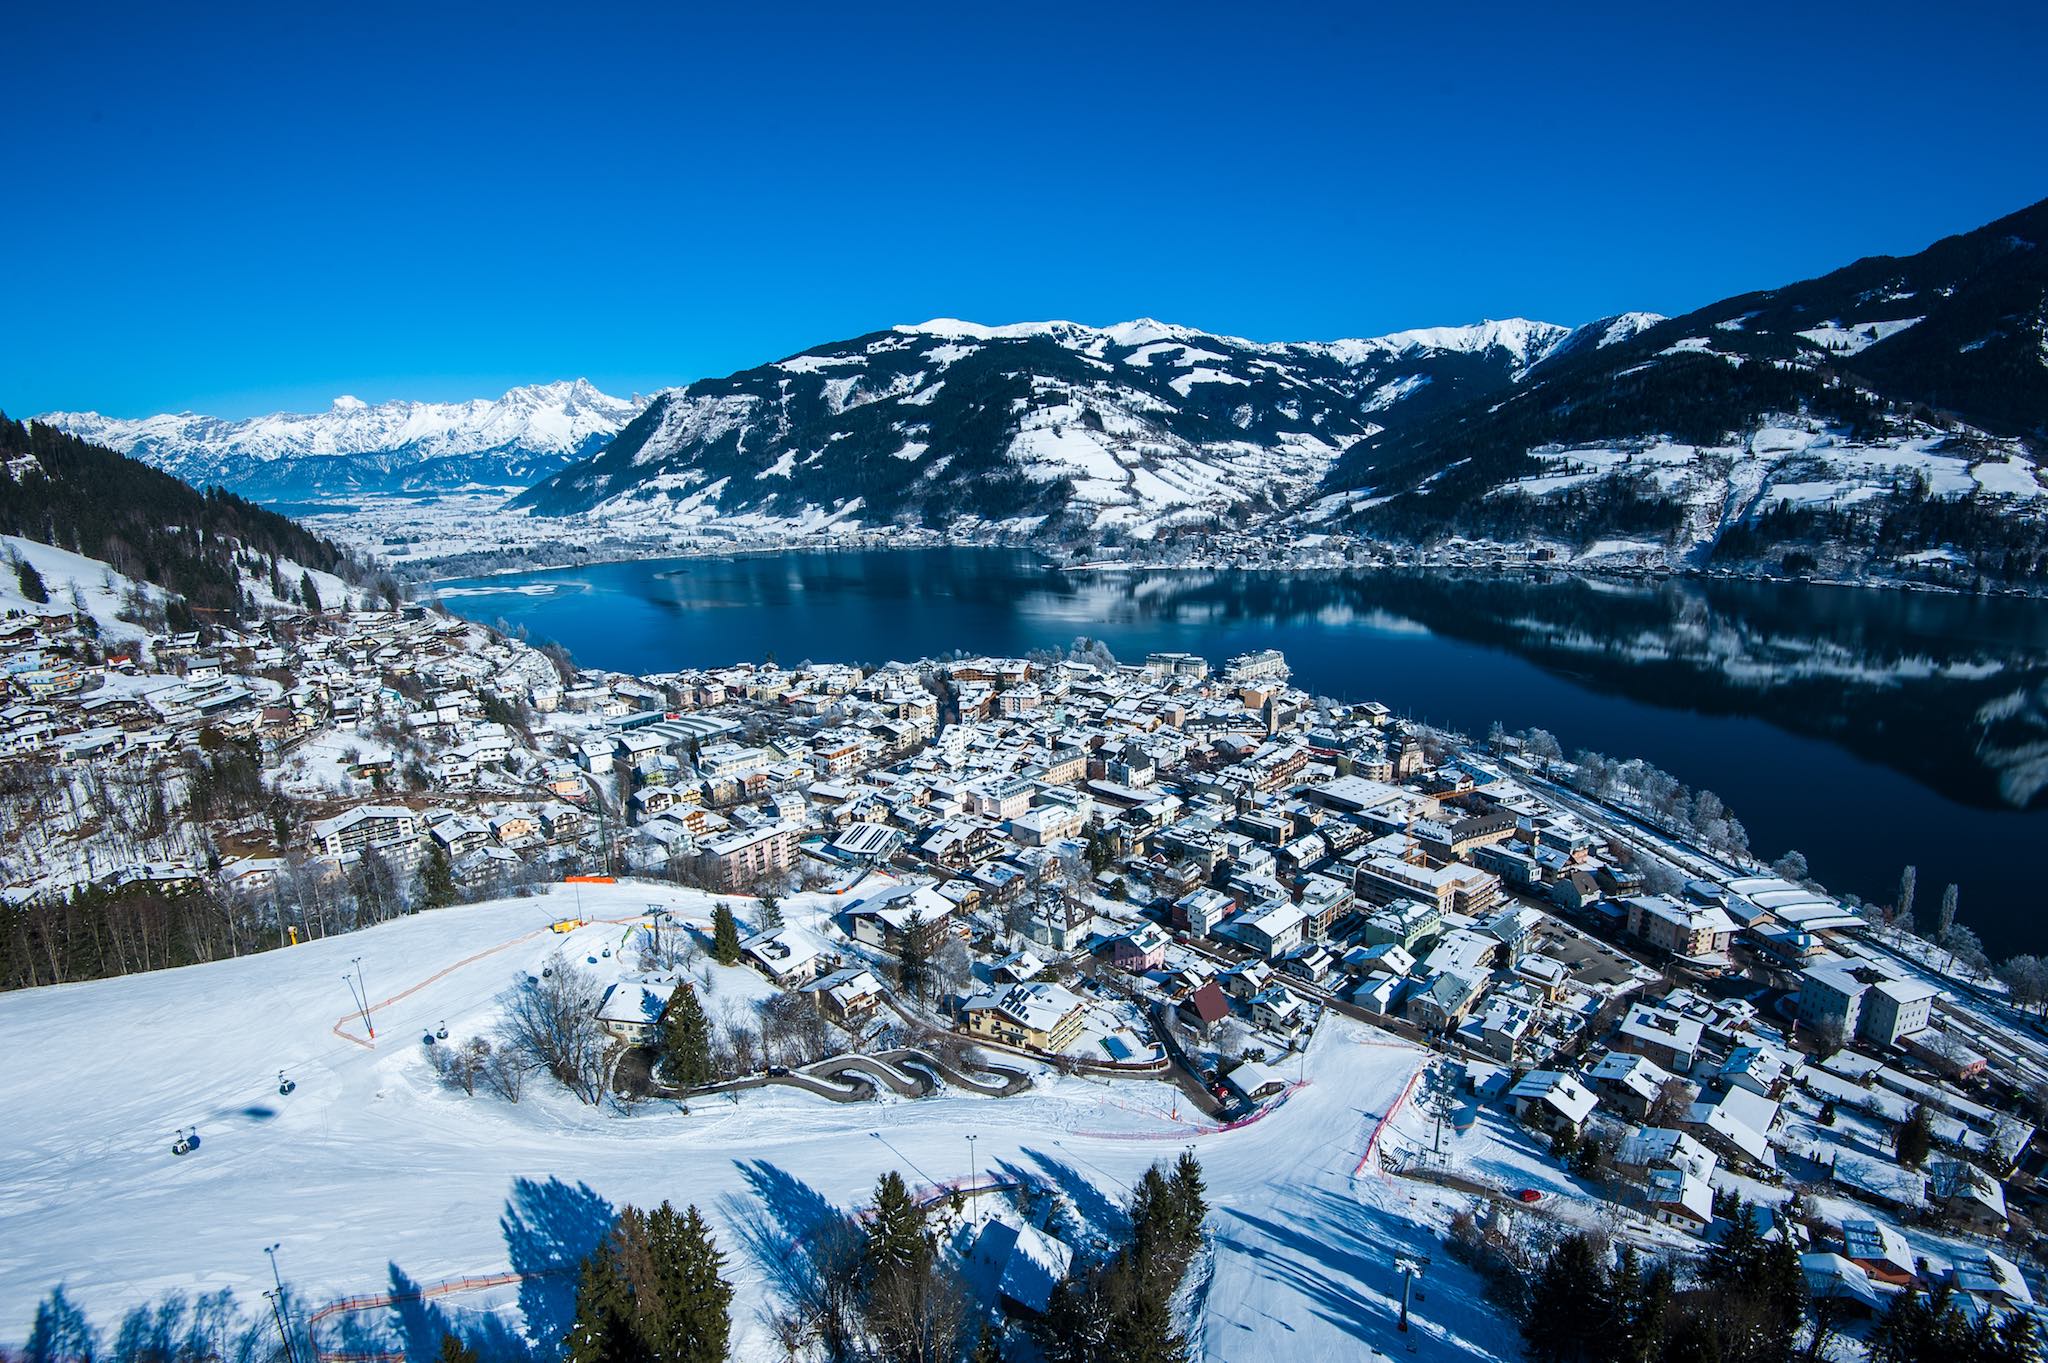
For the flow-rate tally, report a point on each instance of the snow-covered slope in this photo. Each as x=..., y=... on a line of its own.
x=370, y=1176
x=510, y=441
x=1133, y=424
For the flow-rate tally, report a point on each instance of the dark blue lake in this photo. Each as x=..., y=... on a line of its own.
x=1866, y=729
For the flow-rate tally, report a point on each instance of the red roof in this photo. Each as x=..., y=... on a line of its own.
x=1208, y=1003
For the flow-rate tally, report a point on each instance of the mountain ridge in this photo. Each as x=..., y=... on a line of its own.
x=1897, y=405
x=356, y=447
x=1138, y=425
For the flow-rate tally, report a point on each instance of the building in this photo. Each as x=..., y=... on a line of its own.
x=1631, y=1083
x=366, y=827
x=1670, y=1039
x=1274, y=931
x=1967, y=1195
x=1038, y=1016
x=882, y=920
x=1405, y=923
x=733, y=861
x=1690, y=930
x=1058, y=921
x=1025, y=1263
x=1880, y=1252
x=1204, y=1007
x=1552, y=1101
x=1863, y=999
x=788, y=956
x=1383, y=878
x=631, y=1011
x=1441, y=1005
x=849, y=997
x=1142, y=950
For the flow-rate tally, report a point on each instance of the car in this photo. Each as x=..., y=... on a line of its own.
x=778, y=1071
x=1530, y=1195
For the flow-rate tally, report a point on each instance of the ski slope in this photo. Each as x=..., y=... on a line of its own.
x=370, y=1174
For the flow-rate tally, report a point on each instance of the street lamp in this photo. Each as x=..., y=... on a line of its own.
x=973, y=1169
x=277, y=1305
x=362, y=994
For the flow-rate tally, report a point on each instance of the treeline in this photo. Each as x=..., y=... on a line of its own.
x=99, y=931
x=67, y=492
x=1628, y=505
x=1645, y=790
x=1745, y=1300
x=2001, y=545
x=210, y=1328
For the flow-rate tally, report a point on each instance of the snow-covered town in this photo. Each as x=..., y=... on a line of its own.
x=1086, y=684
x=1011, y=926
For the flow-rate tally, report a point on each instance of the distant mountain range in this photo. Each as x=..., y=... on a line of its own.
x=355, y=447
x=1887, y=414
x=1141, y=424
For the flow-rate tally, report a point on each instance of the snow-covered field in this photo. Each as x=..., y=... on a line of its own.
x=370, y=1171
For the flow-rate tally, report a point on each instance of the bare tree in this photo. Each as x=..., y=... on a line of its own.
x=953, y=967
x=550, y=1022
x=460, y=1067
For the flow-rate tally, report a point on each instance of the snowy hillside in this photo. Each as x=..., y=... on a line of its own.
x=509, y=441
x=1823, y=415
x=1133, y=425
x=369, y=1175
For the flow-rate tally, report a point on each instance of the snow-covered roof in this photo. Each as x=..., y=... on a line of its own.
x=1563, y=1092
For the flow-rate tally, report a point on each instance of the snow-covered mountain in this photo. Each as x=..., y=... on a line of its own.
x=355, y=447
x=1136, y=424
x=1896, y=408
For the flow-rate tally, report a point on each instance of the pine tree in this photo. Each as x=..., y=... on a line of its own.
x=1070, y=1329
x=683, y=1308
x=1727, y=1263
x=603, y=1329
x=437, y=878
x=31, y=581
x=1569, y=1305
x=685, y=1040
x=725, y=936
x=1142, y=1331
x=1914, y=1140
x=1155, y=1227
x=308, y=593
x=1909, y=880
x=453, y=1350
x=896, y=1232
x=771, y=913
x=914, y=953
x=1190, y=1197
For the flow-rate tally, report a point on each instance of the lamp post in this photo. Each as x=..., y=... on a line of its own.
x=973, y=1169
x=362, y=996
x=284, y=1335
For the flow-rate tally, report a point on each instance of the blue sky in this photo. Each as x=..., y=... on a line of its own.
x=237, y=211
